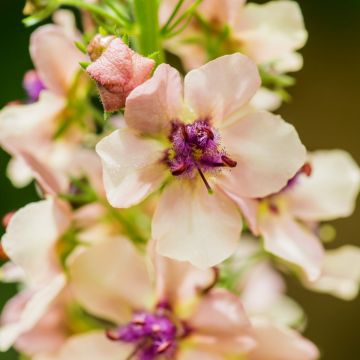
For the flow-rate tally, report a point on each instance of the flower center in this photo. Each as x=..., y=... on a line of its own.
x=153, y=334
x=195, y=149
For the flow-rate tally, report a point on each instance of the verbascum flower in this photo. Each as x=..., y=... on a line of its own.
x=325, y=189
x=267, y=33
x=117, y=70
x=27, y=130
x=270, y=34
x=40, y=242
x=205, y=141
x=178, y=317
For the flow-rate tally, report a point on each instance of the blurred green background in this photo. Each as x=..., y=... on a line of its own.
x=325, y=110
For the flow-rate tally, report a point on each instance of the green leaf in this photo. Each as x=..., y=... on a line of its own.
x=81, y=46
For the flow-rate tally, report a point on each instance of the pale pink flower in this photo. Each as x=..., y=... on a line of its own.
x=340, y=273
x=269, y=33
x=272, y=313
x=37, y=255
x=112, y=282
x=43, y=326
x=203, y=139
x=325, y=189
x=117, y=70
x=27, y=130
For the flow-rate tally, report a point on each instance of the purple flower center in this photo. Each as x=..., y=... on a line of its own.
x=196, y=149
x=33, y=85
x=153, y=334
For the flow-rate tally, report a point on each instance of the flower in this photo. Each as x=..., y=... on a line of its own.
x=267, y=33
x=181, y=318
x=117, y=70
x=273, y=315
x=203, y=140
x=270, y=34
x=40, y=242
x=27, y=130
x=324, y=189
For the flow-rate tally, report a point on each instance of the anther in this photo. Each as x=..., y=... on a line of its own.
x=163, y=347
x=178, y=169
x=306, y=169
x=228, y=162
x=112, y=334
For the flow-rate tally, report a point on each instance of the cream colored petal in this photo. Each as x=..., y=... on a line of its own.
x=330, y=191
x=31, y=236
x=55, y=56
x=268, y=152
x=276, y=342
x=91, y=346
x=340, y=275
x=132, y=167
x=19, y=172
x=178, y=281
x=152, y=105
x=110, y=280
x=35, y=308
x=29, y=122
x=221, y=87
x=266, y=99
x=272, y=30
x=191, y=225
x=292, y=242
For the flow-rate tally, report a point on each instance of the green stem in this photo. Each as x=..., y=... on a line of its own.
x=94, y=9
x=172, y=16
x=148, y=39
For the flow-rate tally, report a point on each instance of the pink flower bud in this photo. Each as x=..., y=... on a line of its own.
x=117, y=70
x=6, y=219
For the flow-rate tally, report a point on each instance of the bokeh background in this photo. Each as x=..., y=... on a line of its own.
x=325, y=110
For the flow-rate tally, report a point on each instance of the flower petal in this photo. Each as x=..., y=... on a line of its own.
x=31, y=236
x=91, y=345
x=55, y=56
x=220, y=313
x=270, y=31
x=131, y=167
x=191, y=225
x=31, y=122
x=220, y=324
x=330, y=191
x=221, y=87
x=287, y=239
x=151, y=106
x=223, y=13
x=110, y=279
x=276, y=342
x=266, y=99
x=35, y=308
x=19, y=172
x=340, y=273
x=268, y=152
x=191, y=354
x=178, y=280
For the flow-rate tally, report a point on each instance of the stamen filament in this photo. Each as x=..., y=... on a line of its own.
x=208, y=187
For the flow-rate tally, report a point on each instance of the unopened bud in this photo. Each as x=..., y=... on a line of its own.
x=117, y=70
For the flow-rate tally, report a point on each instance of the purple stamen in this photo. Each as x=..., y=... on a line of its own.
x=196, y=150
x=153, y=334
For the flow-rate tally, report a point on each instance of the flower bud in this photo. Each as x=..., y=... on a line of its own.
x=116, y=69
x=32, y=85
